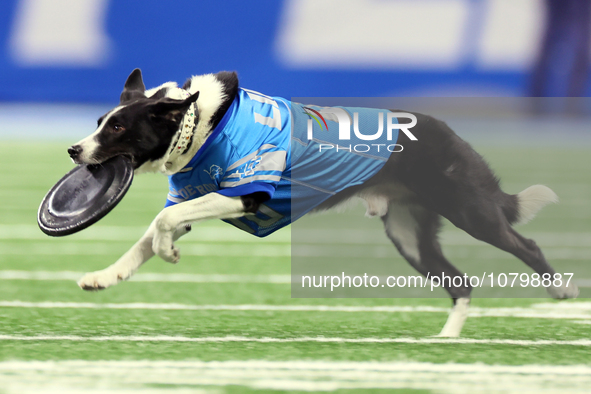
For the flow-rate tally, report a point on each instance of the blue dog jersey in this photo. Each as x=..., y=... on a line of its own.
x=299, y=155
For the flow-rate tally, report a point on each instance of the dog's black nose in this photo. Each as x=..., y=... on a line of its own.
x=74, y=151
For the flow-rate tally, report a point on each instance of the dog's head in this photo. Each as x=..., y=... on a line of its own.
x=140, y=127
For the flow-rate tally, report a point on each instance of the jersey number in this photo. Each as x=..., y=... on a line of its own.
x=272, y=218
x=273, y=121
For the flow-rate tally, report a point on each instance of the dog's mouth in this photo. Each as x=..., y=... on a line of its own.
x=98, y=160
x=129, y=156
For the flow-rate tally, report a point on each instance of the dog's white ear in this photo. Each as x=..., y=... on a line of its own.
x=134, y=87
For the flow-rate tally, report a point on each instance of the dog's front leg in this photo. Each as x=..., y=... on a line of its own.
x=172, y=223
x=210, y=206
x=124, y=268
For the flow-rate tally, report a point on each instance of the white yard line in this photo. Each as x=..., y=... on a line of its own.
x=180, y=278
x=205, y=241
x=231, y=338
x=256, y=249
x=226, y=233
x=203, y=233
x=148, y=277
x=241, y=307
x=106, y=249
x=303, y=365
x=567, y=310
x=89, y=376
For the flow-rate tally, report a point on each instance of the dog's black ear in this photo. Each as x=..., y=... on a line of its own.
x=230, y=81
x=192, y=98
x=134, y=87
x=135, y=81
x=167, y=109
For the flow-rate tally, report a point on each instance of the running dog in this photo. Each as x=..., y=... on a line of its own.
x=232, y=154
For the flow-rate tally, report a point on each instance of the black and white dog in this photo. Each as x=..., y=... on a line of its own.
x=440, y=175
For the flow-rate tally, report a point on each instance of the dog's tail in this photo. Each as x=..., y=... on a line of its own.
x=522, y=207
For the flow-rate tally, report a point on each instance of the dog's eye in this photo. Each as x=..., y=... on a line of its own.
x=117, y=128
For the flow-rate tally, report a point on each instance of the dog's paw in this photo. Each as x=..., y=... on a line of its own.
x=170, y=255
x=563, y=292
x=456, y=319
x=165, y=248
x=100, y=280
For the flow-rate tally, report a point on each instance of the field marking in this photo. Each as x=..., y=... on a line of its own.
x=88, y=376
x=304, y=365
x=273, y=250
x=227, y=234
x=180, y=278
x=205, y=240
x=149, y=277
x=202, y=232
x=568, y=310
x=240, y=307
x=232, y=338
x=108, y=249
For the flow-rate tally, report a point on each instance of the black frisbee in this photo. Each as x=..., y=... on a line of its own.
x=84, y=196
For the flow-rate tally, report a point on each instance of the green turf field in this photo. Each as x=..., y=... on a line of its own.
x=222, y=320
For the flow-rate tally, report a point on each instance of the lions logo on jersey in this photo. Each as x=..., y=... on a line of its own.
x=214, y=172
x=243, y=170
x=249, y=167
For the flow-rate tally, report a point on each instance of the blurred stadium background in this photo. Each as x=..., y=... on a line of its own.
x=222, y=319
x=81, y=51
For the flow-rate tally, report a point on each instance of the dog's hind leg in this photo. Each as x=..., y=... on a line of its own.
x=487, y=222
x=413, y=230
x=526, y=205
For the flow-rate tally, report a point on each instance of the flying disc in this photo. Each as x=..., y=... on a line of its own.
x=84, y=196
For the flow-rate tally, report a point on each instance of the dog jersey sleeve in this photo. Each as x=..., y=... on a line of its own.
x=173, y=197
